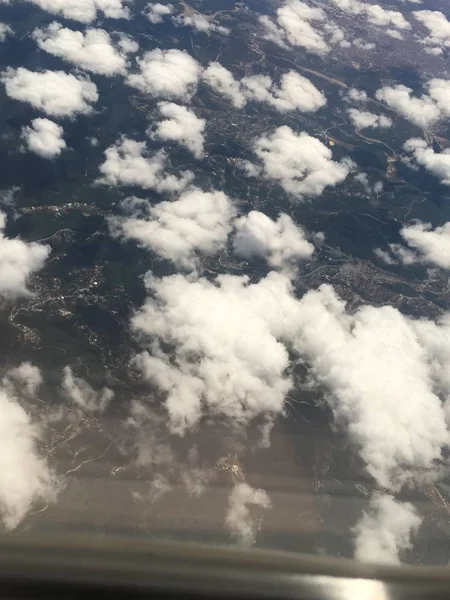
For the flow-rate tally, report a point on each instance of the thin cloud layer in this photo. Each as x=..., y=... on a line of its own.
x=56, y=93
x=385, y=530
x=197, y=223
x=18, y=260
x=128, y=163
x=181, y=125
x=92, y=50
x=83, y=395
x=282, y=243
x=44, y=138
x=300, y=163
x=245, y=508
x=85, y=11
x=167, y=74
x=362, y=119
x=5, y=30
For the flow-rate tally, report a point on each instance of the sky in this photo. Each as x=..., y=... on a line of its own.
x=217, y=343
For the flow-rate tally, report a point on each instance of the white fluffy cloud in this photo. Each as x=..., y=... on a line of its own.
x=223, y=82
x=227, y=357
x=44, y=137
x=83, y=395
x=385, y=530
x=383, y=18
x=128, y=163
x=295, y=92
x=26, y=376
x=437, y=24
x=438, y=163
x=242, y=502
x=92, y=50
x=355, y=95
x=181, y=125
x=155, y=12
x=282, y=243
x=362, y=119
x=85, y=11
x=422, y=110
x=425, y=245
x=18, y=260
x=197, y=222
x=5, y=30
x=200, y=23
x=54, y=92
x=167, y=74
x=25, y=475
x=301, y=164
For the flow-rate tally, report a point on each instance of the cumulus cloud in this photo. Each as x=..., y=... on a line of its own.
x=25, y=475
x=197, y=222
x=383, y=18
x=437, y=163
x=167, y=74
x=385, y=530
x=362, y=119
x=379, y=372
x=85, y=11
x=200, y=23
x=437, y=24
x=26, y=376
x=282, y=243
x=155, y=12
x=128, y=163
x=83, y=395
x=181, y=125
x=295, y=92
x=92, y=50
x=5, y=30
x=301, y=164
x=54, y=92
x=223, y=82
x=425, y=244
x=422, y=111
x=227, y=359
x=355, y=95
x=44, y=138
x=240, y=521
x=18, y=260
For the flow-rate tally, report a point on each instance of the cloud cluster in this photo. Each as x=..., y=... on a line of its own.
x=26, y=377
x=85, y=11
x=437, y=163
x=424, y=110
x=54, y=92
x=18, y=260
x=44, y=138
x=362, y=119
x=92, y=50
x=167, y=74
x=128, y=163
x=155, y=12
x=240, y=521
x=196, y=223
x=181, y=125
x=295, y=92
x=300, y=163
x=83, y=395
x=438, y=26
x=376, y=14
x=200, y=23
x=281, y=243
x=385, y=530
